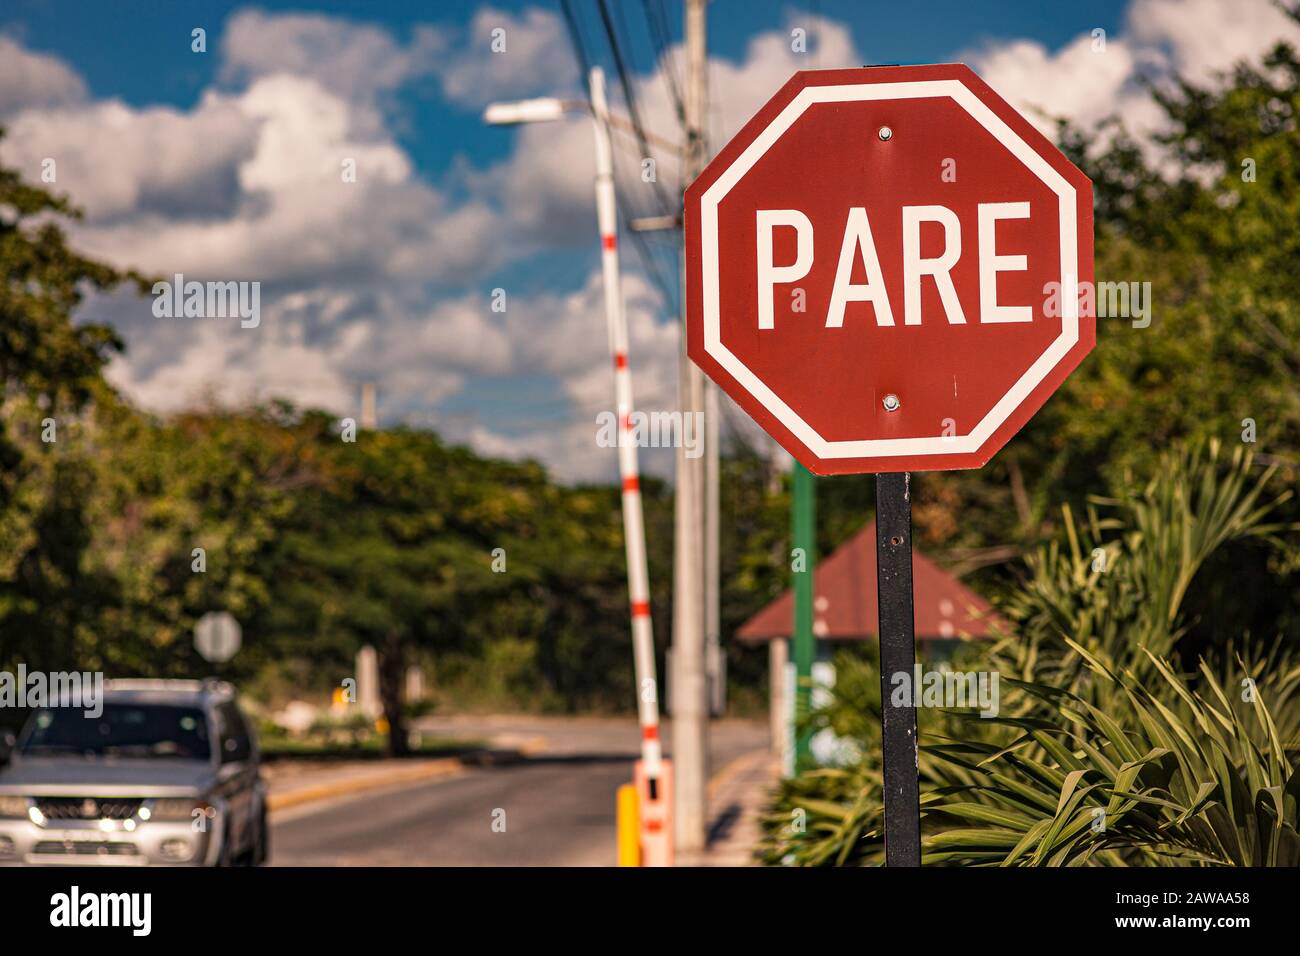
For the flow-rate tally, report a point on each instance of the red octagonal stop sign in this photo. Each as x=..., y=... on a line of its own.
x=883, y=269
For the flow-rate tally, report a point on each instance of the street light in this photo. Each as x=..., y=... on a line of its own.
x=548, y=108
x=542, y=110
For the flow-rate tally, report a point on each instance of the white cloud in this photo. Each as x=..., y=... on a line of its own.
x=1076, y=81
x=535, y=62
x=564, y=336
x=30, y=80
x=1206, y=37
x=216, y=360
x=115, y=160
x=252, y=185
x=316, y=346
x=1194, y=38
x=461, y=334
x=737, y=90
x=249, y=184
x=352, y=60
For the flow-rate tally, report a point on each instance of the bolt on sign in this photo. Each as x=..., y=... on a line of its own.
x=868, y=268
x=869, y=263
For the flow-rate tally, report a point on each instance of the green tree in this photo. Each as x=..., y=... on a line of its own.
x=52, y=387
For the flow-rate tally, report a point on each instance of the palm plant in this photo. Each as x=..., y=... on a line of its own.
x=1116, y=585
x=1104, y=754
x=1147, y=785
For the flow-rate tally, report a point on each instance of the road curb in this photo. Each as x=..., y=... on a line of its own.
x=442, y=767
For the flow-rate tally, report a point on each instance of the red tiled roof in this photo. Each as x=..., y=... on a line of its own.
x=844, y=600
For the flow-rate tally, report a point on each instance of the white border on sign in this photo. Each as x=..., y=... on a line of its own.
x=870, y=448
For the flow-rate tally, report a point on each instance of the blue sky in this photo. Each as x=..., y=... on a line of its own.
x=224, y=165
x=144, y=64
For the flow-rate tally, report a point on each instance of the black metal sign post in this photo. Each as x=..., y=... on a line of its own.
x=897, y=655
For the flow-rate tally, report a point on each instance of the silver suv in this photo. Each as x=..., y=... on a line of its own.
x=167, y=774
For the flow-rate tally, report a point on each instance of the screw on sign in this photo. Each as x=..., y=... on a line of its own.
x=869, y=263
x=217, y=636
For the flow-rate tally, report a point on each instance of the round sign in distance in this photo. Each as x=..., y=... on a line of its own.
x=217, y=636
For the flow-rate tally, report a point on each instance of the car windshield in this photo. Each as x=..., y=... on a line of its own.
x=122, y=730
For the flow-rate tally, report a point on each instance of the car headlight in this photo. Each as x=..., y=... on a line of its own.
x=13, y=808
x=178, y=808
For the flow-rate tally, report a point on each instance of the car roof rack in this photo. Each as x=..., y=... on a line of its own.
x=208, y=685
x=152, y=683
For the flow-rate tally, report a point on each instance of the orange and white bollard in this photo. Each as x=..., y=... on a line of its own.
x=656, y=813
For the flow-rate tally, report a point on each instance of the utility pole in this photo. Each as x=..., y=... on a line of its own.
x=690, y=683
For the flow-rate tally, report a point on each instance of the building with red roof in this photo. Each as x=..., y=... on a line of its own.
x=845, y=609
x=844, y=602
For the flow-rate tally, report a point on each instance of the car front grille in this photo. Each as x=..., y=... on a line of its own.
x=88, y=808
x=84, y=848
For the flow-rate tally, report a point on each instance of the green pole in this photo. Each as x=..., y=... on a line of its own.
x=804, y=530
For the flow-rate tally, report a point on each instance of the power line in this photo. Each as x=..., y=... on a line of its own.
x=657, y=21
x=620, y=13
x=640, y=240
x=575, y=41
x=647, y=259
x=616, y=44
x=629, y=97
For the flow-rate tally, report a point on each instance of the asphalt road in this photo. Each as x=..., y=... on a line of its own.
x=554, y=809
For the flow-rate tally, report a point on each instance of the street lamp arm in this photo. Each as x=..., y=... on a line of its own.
x=549, y=108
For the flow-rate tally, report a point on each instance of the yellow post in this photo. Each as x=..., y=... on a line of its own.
x=629, y=826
